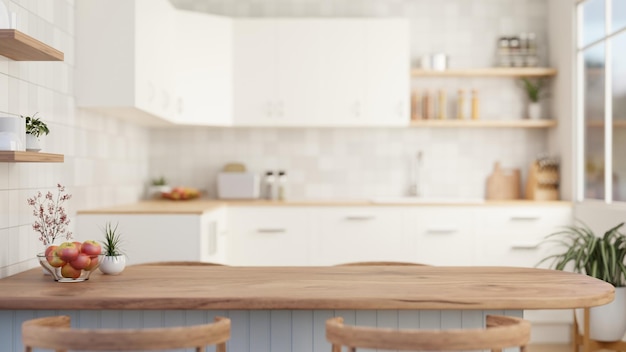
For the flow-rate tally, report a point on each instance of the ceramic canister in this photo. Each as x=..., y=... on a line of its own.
x=12, y=133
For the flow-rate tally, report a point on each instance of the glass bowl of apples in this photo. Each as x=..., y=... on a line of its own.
x=71, y=261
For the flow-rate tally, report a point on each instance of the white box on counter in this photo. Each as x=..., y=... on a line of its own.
x=238, y=185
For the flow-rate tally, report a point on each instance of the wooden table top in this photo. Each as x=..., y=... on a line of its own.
x=353, y=287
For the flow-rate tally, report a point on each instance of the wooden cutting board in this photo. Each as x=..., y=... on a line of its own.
x=503, y=183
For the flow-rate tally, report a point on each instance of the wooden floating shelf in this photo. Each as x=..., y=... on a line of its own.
x=488, y=72
x=600, y=123
x=30, y=157
x=20, y=47
x=485, y=123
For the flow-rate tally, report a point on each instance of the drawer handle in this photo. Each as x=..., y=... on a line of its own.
x=525, y=218
x=360, y=217
x=277, y=230
x=525, y=245
x=441, y=231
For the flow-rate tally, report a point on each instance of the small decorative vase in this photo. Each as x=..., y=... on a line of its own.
x=32, y=143
x=534, y=111
x=113, y=265
x=46, y=272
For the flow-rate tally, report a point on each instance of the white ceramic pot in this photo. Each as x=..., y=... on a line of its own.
x=607, y=322
x=32, y=143
x=113, y=265
x=534, y=111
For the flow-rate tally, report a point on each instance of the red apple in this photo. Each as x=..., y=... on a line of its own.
x=91, y=248
x=79, y=245
x=81, y=262
x=68, y=271
x=92, y=263
x=50, y=249
x=54, y=260
x=67, y=251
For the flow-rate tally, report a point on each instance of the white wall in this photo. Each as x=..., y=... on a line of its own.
x=323, y=163
x=106, y=161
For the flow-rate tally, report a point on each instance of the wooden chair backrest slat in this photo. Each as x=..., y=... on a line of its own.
x=56, y=333
x=501, y=332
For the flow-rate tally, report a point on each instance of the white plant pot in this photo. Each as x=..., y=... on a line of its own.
x=534, y=111
x=607, y=322
x=32, y=143
x=113, y=265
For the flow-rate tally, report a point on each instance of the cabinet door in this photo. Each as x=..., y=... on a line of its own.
x=353, y=234
x=298, y=72
x=214, y=236
x=269, y=236
x=203, y=69
x=254, y=68
x=343, y=73
x=512, y=236
x=442, y=235
x=387, y=72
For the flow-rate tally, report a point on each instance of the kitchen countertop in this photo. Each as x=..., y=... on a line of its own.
x=340, y=287
x=200, y=206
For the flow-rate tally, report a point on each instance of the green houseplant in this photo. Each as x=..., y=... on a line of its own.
x=602, y=257
x=114, y=260
x=35, y=128
x=534, y=90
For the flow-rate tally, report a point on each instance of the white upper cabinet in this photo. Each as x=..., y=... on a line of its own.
x=321, y=72
x=203, y=69
x=136, y=59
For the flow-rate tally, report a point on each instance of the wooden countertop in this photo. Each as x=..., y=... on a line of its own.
x=352, y=287
x=201, y=206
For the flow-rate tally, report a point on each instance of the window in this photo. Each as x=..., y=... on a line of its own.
x=602, y=93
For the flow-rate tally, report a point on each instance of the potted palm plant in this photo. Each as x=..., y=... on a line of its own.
x=35, y=128
x=114, y=260
x=601, y=257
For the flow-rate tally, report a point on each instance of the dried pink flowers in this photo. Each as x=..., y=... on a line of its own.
x=51, y=220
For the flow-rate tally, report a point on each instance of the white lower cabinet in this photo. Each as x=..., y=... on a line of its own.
x=512, y=236
x=162, y=237
x=351, y=234
x=269, y=236
x=441, y=235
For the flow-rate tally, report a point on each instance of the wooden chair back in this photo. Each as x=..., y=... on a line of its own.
x=501, y=332
x=55, y=333
x=383, y=263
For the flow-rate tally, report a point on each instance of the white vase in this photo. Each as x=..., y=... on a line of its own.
x=113, y=265
x=32, y=143
x=12, y=133
x=607, y=322
x=534, y=111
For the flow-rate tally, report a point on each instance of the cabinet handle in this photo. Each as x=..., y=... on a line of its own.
x=525, y=245
x=276, y=230
x=442, y=231
x=524, y=217
x=360, y=217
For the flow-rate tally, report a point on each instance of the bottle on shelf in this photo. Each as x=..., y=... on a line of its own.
x=475, y=105
x=427, y=106
x=460, y=105
x=441, y=105
x=416, y=113
x=282, y=184
x=269, y=185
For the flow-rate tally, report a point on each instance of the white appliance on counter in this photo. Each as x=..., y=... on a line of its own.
x=238, y=185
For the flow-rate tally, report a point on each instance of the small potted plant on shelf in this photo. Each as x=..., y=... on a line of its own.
x=602, y=257
x=114, y=260
x=158, y=186
x=35, y=128
x=534, y=91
